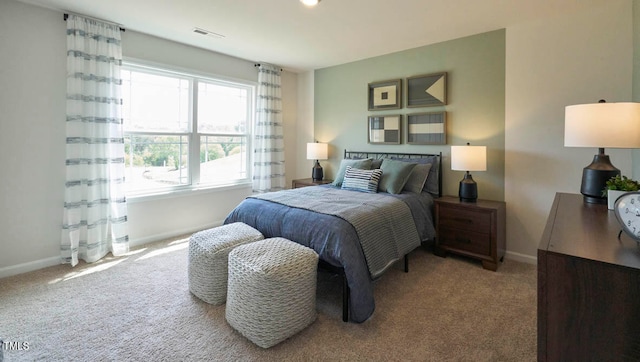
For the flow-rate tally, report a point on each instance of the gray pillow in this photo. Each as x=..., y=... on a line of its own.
x=361, y=164
x=394, y=175
x=418, y=178
x=431, y=186
x=376, y=163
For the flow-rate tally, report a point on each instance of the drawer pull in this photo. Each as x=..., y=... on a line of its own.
x=463, y=240
x=466, y=221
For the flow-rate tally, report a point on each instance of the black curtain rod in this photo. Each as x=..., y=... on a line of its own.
x=258, y=64
x=66, y=16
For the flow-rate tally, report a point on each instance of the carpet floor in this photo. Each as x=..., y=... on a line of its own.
x=138, y=308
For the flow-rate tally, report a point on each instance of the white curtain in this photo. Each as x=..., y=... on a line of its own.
x=95, y=209
x=268, y=160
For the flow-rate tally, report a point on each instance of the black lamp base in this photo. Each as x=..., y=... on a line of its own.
x=595, y=177
x=316, y=172
x=468, y=190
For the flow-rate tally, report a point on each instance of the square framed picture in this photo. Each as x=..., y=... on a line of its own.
x=427, y=128
x=427, y=90
x=385, y=95
x=385, y=129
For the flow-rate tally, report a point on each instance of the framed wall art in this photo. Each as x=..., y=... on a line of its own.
x=385, y=129
x=385, y=95
x=427, y=90
x=427, y=128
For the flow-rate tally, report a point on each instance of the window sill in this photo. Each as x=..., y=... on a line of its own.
x=169, y=194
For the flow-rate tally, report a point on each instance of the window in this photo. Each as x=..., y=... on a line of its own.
x=183, y=131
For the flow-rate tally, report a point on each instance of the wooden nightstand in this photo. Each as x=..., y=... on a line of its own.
x=304, y=182
x=474, y=229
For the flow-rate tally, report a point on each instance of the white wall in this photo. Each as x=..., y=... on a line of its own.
x=32, y=138
x=32, y=134
x=289, y=92
x=304, y=131
x=552, y=63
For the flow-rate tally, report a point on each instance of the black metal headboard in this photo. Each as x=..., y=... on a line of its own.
x=379, y=155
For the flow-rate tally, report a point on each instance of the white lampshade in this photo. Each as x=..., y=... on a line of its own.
x=317, y=151
x=602, y=125
x=469, y=158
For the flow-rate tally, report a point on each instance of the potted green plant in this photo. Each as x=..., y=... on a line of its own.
x=617, y=186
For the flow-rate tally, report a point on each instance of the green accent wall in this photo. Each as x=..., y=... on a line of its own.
x=475, y=67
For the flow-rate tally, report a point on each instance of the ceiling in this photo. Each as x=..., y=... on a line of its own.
x=299, y=38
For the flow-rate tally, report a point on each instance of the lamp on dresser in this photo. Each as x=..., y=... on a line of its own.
x=601, y=125
x=468, y=158
x=317, y=151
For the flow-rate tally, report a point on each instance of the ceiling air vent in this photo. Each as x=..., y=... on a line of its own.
x=207, y=32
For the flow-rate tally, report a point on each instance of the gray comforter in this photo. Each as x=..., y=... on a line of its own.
x=384, y=225
x=332, y=237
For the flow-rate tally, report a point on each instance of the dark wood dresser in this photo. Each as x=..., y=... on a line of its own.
x=588, y=285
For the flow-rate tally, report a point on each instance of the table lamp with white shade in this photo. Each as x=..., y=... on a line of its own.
x=468, y=158
x=601, y=125
x=317, y=151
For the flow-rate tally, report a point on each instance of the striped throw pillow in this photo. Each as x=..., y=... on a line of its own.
x=356, y=179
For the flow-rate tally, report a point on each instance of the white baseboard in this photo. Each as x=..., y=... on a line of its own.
x=521, y=257
x=55, y=260
x=47, y=262
x=29, y=266
x=171, y=234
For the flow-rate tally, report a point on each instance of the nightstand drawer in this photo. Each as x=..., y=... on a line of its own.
x=473, y=242
x=466, y=219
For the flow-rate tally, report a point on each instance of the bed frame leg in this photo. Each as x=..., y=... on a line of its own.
x=406, y=263
x=345, y=299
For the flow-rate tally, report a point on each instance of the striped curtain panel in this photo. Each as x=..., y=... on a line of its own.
x=95, y=209
x=268, y=158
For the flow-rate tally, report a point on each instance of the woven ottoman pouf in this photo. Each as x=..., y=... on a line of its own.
x=208, y=259
x=272, y=290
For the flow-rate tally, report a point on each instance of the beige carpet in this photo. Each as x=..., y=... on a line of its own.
x=138, y=308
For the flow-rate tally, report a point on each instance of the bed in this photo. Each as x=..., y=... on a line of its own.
x=357, y=234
